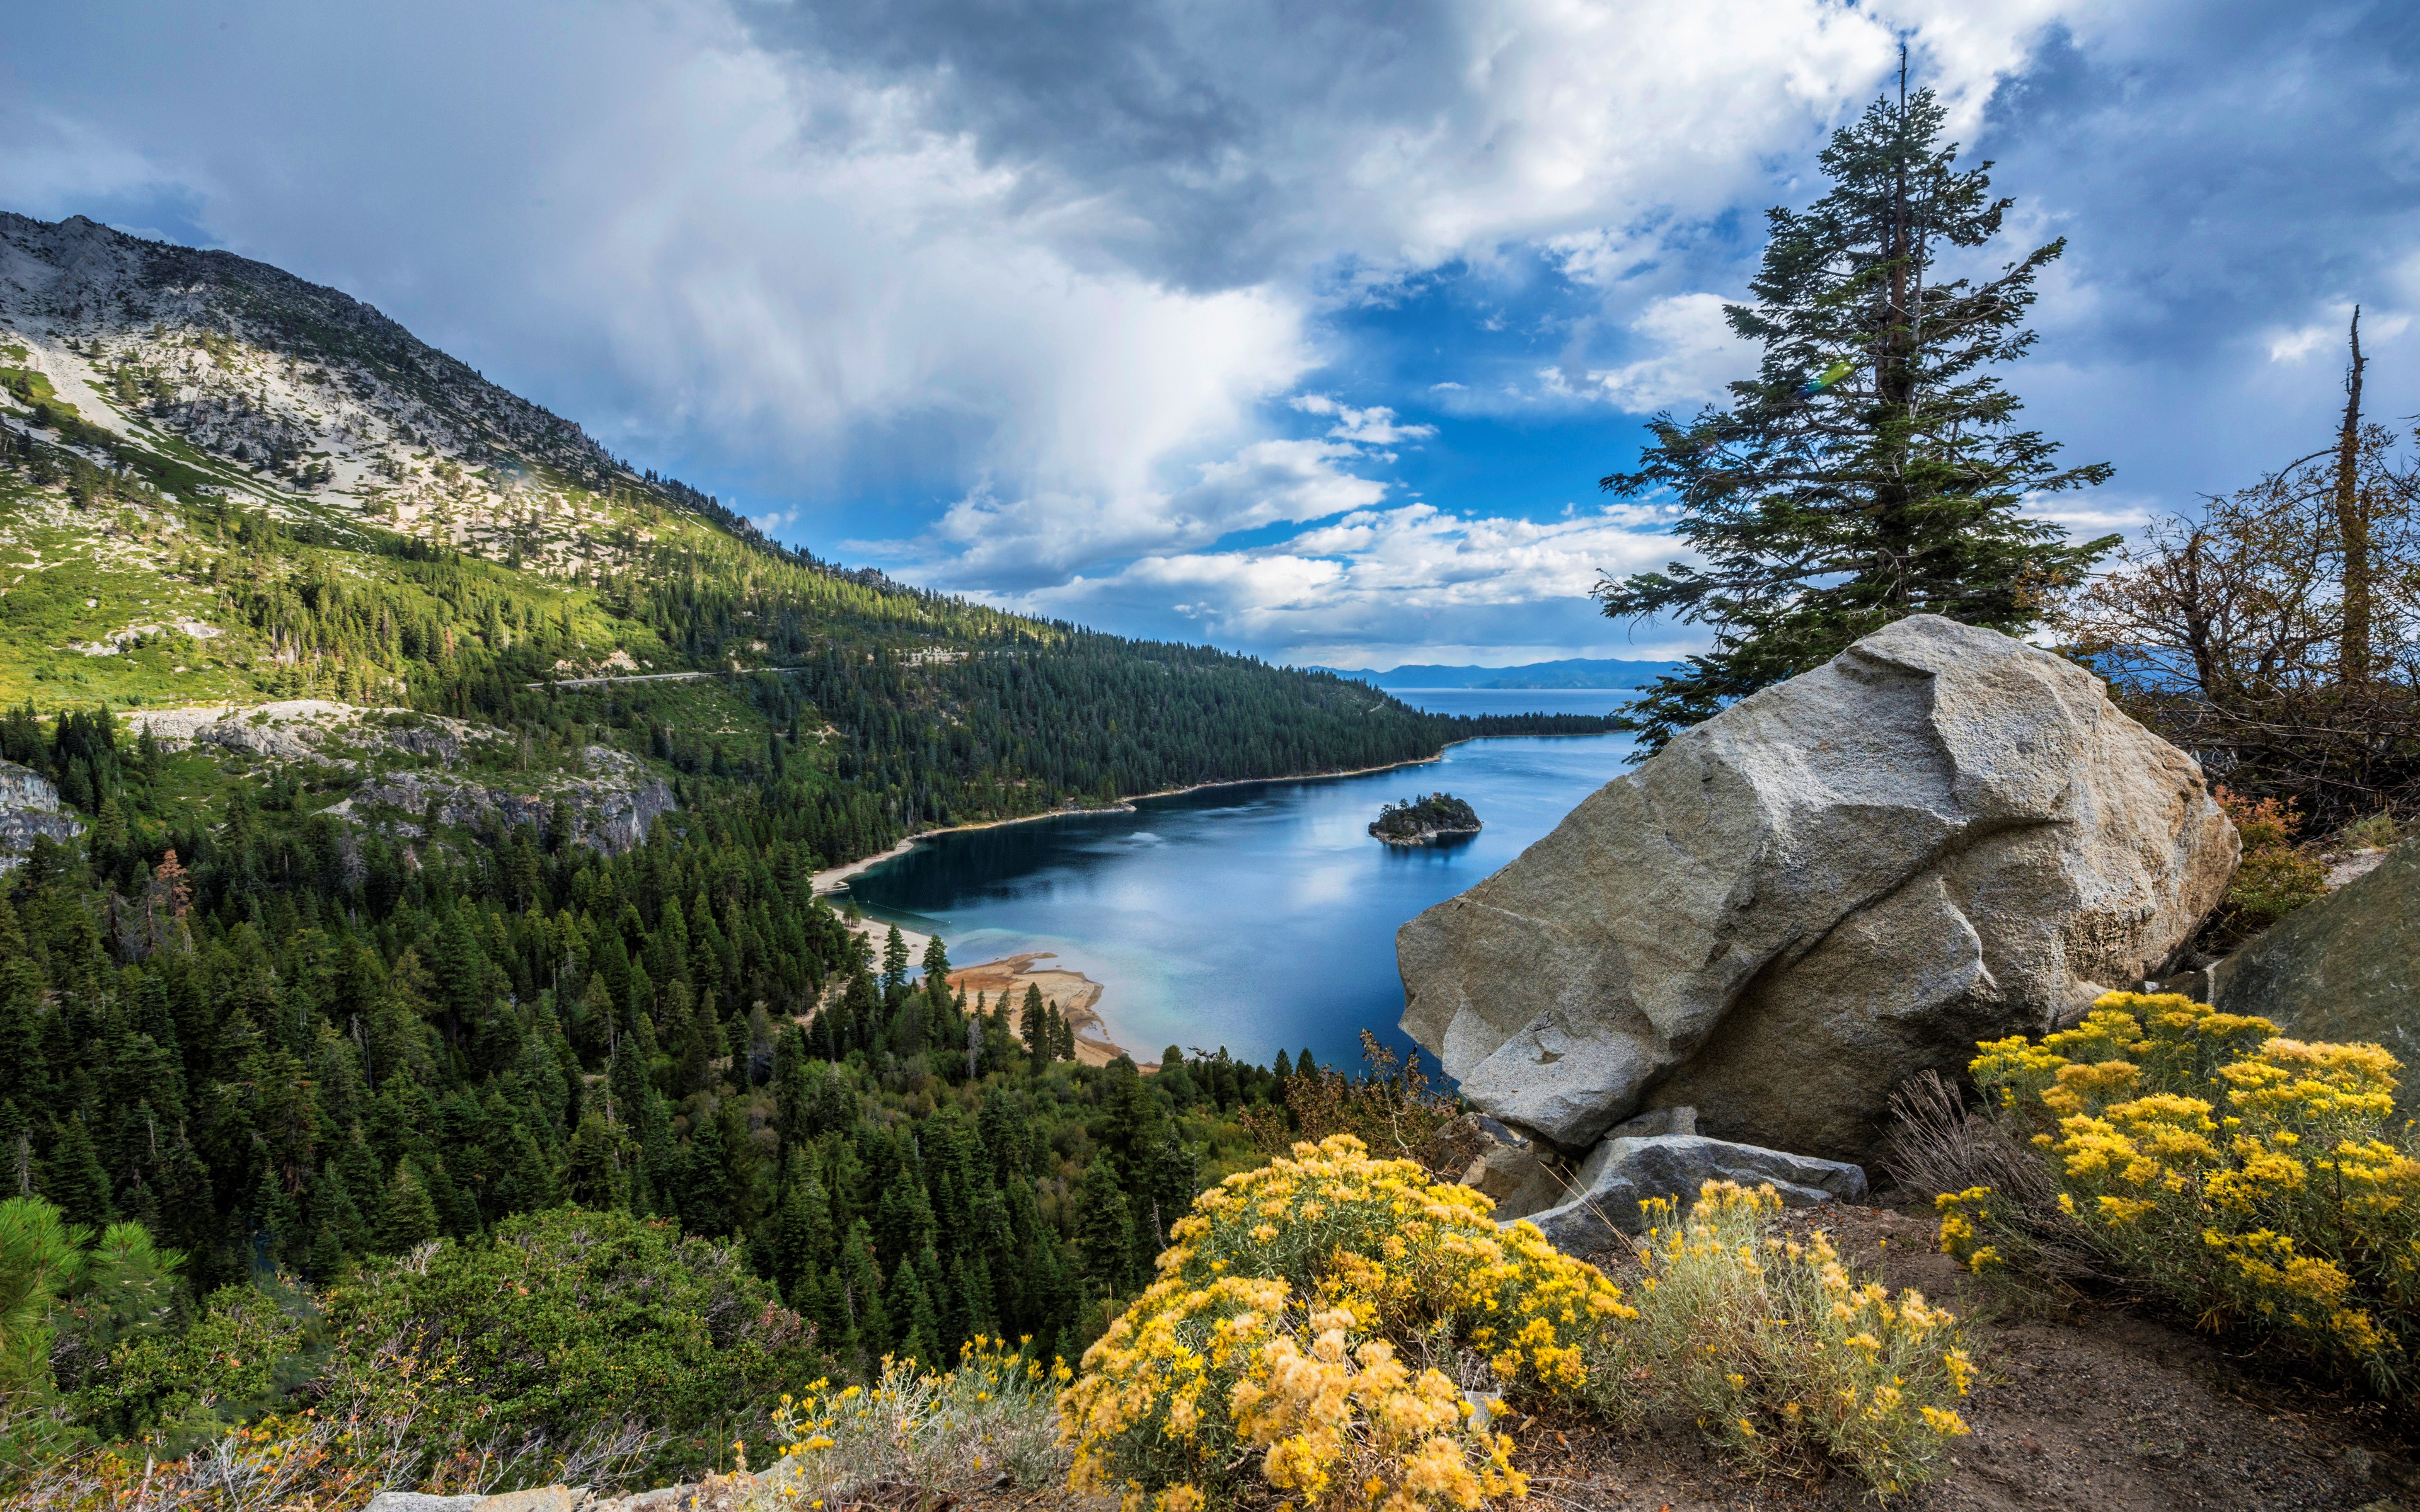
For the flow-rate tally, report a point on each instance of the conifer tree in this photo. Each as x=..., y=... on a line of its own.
x=860, y=1283
x=1103, y=1228
x=701, y=1045
x=894, y=961
x=1872, y=467
x=699, y=1188
x=803, y=1243
x=74, y=1181
x=909, y=1302
x=1031, y=1024
x=411, y=1215
x=338, y=1215
x=597, y=1170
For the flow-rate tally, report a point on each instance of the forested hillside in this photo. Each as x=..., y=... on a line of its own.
x=437, y=805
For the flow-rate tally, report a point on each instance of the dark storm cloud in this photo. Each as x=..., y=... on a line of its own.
x=1198, y=126
x=2254, y=163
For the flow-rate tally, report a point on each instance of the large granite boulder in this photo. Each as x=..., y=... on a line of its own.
x=1943, y=835
x=2346, y=967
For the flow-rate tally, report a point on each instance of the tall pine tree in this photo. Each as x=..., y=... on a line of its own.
x=1872, y=469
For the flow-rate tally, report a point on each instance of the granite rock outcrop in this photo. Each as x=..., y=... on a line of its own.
x=1943, y=835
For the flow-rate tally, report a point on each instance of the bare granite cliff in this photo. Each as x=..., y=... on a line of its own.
x=29, y=805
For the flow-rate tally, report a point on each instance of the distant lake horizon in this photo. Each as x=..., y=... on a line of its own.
x=1478, y=701
x=1259, y=916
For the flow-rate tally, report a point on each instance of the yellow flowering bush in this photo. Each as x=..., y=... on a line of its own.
x=1303, y=1325
x=1776, y=1348
x=946, y=1432
x=2257, y=1181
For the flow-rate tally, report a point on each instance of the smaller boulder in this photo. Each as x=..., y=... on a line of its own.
x=420, y=1502
x=1679, y=1120
x=1621, y=1173
x=1519, y=1175
x=1519, y=1181
x=2343, y=968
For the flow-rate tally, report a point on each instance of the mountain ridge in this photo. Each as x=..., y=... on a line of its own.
x=1574, y=672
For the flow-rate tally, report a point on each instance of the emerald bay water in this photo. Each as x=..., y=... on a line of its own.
x=1260, y=917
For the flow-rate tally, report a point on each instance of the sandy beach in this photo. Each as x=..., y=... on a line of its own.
x=1075, y=996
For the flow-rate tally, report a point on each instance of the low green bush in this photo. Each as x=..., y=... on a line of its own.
x=592, y=1346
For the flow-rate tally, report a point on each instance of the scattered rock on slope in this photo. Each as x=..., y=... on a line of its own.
x=611, y=807
x=612, y=800
x=2346, y=967
x=1623, y=1173
x=1943, y=835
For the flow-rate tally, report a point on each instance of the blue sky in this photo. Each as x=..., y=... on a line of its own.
x=1307, y=331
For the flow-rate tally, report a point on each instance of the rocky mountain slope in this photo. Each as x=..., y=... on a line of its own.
x=280, y=390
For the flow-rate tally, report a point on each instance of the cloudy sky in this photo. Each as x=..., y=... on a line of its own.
x=1304, y=329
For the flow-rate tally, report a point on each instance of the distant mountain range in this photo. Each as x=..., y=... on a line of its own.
x=1572, y=673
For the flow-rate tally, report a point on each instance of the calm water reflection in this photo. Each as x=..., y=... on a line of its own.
x=1260, y=918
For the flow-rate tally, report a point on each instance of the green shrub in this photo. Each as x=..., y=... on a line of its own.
x=246, y=1354
x=589, y=1346
x=2371, y=832
x=1776, y=1349
x=2274, y=877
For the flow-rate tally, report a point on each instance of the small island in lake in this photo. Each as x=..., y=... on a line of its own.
x=1438, y=816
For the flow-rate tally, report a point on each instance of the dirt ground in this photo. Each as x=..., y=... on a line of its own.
x=2081, y=1407
x=2087, y=1407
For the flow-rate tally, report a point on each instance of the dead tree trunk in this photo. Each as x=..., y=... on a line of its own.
x=2352, y=527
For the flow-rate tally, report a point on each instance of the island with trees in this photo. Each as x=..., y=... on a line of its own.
x=1425, y=821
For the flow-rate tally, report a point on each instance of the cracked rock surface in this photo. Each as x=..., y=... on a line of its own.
x=1941, y=836
x=29, y=805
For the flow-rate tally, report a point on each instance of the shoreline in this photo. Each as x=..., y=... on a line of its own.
x=1095, y=1044
x=1076, y=997
x=833, y=879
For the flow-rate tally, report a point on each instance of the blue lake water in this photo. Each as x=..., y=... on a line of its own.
x=1260, y=917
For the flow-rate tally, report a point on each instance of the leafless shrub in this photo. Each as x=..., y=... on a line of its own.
x=1937, y=1144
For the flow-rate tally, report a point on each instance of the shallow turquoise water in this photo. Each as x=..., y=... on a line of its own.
x=1258, y=917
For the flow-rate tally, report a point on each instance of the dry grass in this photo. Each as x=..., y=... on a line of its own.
x=990, y=1423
